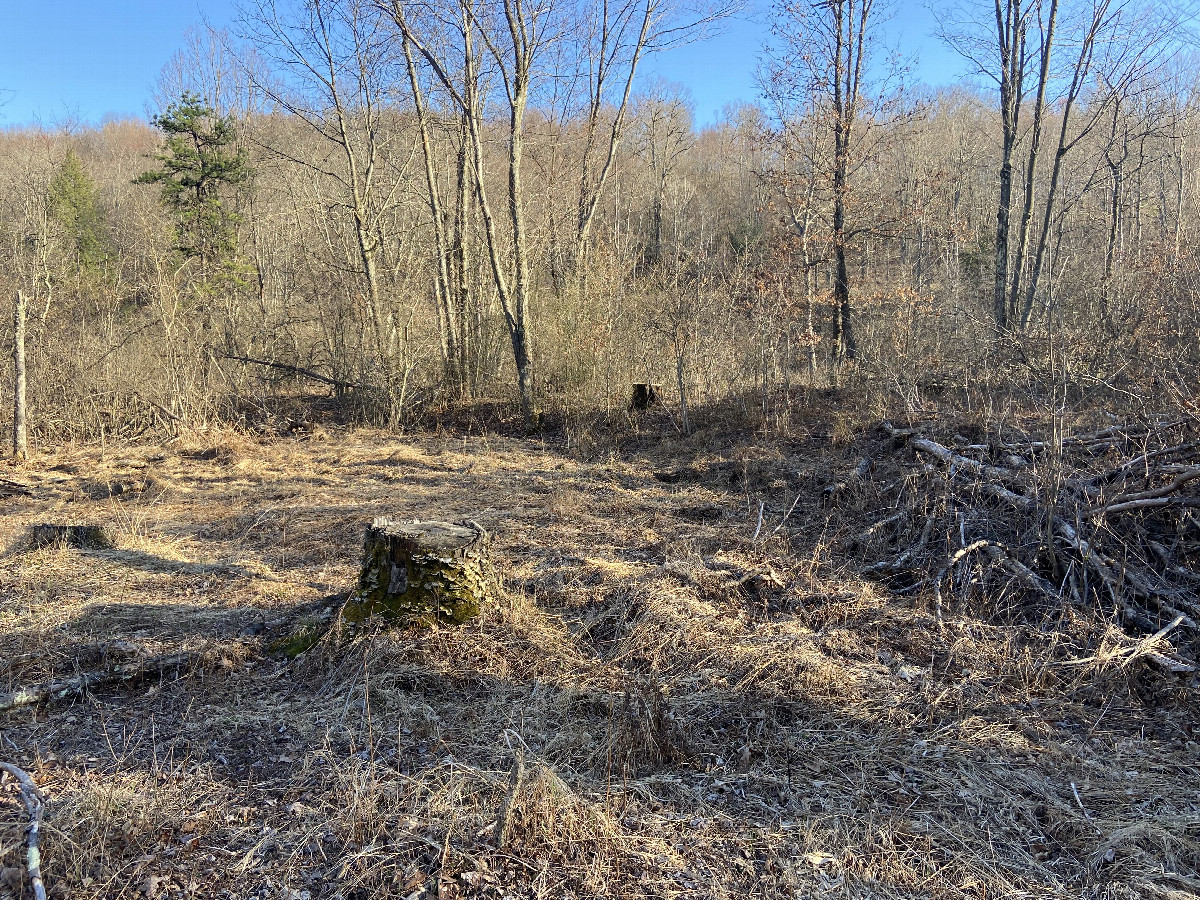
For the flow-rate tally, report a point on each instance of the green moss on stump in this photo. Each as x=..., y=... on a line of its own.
x=421, y=572
x=299, y=641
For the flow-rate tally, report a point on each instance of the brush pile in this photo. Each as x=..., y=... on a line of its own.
x=1106, y=523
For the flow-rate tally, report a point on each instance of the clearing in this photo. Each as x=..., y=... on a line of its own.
x=662, y=704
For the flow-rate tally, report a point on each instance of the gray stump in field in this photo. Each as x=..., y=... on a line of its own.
x=83, y=537
x=421, y=572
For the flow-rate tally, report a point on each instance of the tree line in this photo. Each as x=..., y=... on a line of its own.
x=410, y=206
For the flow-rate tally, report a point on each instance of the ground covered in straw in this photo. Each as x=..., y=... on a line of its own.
x=686, y=690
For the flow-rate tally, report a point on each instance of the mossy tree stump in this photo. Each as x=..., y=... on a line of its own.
x=421, y=572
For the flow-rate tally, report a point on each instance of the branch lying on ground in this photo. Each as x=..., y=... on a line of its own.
x=1053, y=528
x=34, y=803
x=856, y=476
x=60, y=689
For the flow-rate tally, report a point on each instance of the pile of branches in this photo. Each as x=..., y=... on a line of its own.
x=1107, y=521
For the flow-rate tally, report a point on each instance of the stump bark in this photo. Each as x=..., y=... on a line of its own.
x=81, y=537
x=421, y=572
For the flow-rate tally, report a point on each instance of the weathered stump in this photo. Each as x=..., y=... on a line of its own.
x=81, y=537
x=645, y=396
x=417, y=572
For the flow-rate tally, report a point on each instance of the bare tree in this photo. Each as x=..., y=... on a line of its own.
x=824, y=64
x=336, y=71
x=1116, y=42
x=1104, y=40
x=515, y=39
x=20, y=424
x=208, y=66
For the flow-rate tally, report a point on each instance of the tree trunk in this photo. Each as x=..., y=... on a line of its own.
x=448, y=322
x=522, y=352
x=421, y=572
x=1011, y=36
x=468, y=341
x=20, y=426
x=1014, y=293
x=684, y=422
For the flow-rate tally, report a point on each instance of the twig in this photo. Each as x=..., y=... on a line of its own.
x=791, y=509
x=1086, y=814
x=34, y=804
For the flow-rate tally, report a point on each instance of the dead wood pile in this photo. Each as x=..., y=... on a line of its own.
x=1107, y=521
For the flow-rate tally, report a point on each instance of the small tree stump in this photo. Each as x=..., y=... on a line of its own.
x=645, y=396
x=422, y=572
x=81, y=537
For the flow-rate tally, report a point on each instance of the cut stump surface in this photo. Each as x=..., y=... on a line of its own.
x=421, y=572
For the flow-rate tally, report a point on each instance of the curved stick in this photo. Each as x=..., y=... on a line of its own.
x=33, y=800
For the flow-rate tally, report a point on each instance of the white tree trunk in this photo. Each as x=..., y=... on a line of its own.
x=20, y=423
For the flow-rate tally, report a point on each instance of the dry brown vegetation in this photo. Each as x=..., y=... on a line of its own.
x=660, y=705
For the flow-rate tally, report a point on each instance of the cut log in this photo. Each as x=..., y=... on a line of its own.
x=81, y=537
x=422, y=572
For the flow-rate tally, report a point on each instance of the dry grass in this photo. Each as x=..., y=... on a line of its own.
x=641, y=725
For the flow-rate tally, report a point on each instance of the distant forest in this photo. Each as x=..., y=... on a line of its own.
x=414, y=207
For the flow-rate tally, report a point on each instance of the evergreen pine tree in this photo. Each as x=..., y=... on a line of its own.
x=75, y=206
x=199, y=165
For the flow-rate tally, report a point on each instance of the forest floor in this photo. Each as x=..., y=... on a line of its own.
x=660, y=705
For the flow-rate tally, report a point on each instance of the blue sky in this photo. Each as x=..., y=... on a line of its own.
x=83, y=60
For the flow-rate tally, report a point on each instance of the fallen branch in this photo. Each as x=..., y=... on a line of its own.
x=898, y=564
x=1021, y=572
x=937, y=579
x=1145, y=648
x=1126, y=468
x=162, y=409
x=297, y=370
x=60, y=689
x=1158, y=496
x=958, y=461
x=1153, y=503
x=14, y=489
x=867, y=533
x=34, y=803
x=1057, y=531
x=855, y=477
